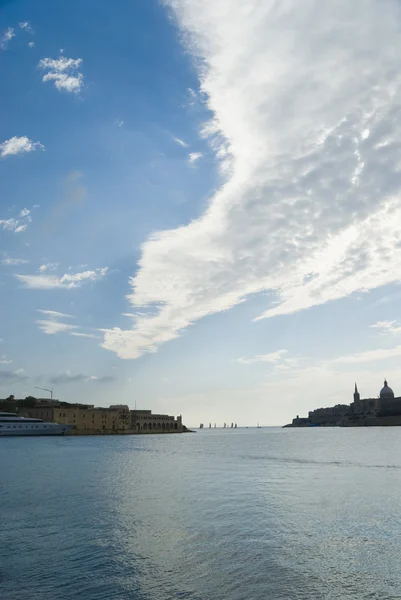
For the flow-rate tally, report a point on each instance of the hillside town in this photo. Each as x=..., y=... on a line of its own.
x=87, y=419
x=362, y=412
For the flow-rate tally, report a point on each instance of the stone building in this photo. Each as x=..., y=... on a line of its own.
x=362, y=412
x=49, y=412
x=387, y=404
x=366, y=407
x=143, y=421
x=111, y=419
x=117, y=418
x=332, y=415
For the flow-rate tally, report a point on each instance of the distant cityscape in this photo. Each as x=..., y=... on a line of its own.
x=362, y=412
x=91, y=420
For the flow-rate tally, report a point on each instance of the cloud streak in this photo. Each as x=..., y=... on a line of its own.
x=9, y=261
x=7, y=37
x=66, y=281
x=305, y=125
x=68, y=377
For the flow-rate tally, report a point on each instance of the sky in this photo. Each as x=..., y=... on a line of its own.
x=200, y=204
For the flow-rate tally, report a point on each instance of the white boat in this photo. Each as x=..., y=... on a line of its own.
x=13, y=424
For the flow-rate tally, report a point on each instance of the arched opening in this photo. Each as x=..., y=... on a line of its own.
x=175, y=425
x=150, y=425
x=164, y=426
x=145, y=426
x=159, y=426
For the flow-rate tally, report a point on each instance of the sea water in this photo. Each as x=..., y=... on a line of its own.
x=245, y=514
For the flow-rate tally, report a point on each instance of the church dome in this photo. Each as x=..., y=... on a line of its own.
x=386, y=392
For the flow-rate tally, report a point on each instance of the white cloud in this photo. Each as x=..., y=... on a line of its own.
x=26, y=26
x=48, y=267
x=310, y=205
x=272, y=358
x=15, y=225
x=12, y=225
x=7, y=377
x=31, y=44
x=369, y=356
x=4, y=360
x=64, y=72
x=391, y=327
x=67, y=281
x=54, y=314
x=180, y=142
x=193, y=157
x=120, y=123
x=19, y=145
x=68, y=377
x=85, y=335
x=52, y=327
x=6, y=37
x=26, y=214
x=20, y=228
x=9, y=261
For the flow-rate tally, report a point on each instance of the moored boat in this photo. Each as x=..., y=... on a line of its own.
x=12, y=424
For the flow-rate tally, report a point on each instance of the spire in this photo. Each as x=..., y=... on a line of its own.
x=356, y=389
x=356, y=394
x=385, y=383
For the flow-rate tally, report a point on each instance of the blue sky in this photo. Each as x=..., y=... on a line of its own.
x=200, y=204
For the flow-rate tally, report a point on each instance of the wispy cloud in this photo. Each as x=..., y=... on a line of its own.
x=309, y=209
x=17, y=225
x=55, y=314
x=68, y=377
x=26, y=26
x=4, y=360
x=26, y=214
x=9, y=261
x=67, y=281
x=48, y=267
x=181, y=142
x=391, y=327
x=85, y=335
x=51, y=327
x=13, y=225
x=271, y=358
x=31, y=44
x=64, y=72
x=369, y=356
x=7, y=377
x=193, y=157
x=6, y=37
x=19, y=145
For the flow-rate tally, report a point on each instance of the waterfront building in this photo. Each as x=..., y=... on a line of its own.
x=111, y=419
x=143, y=421
x=87, y=418
x=369, y=412
x=388, y=404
